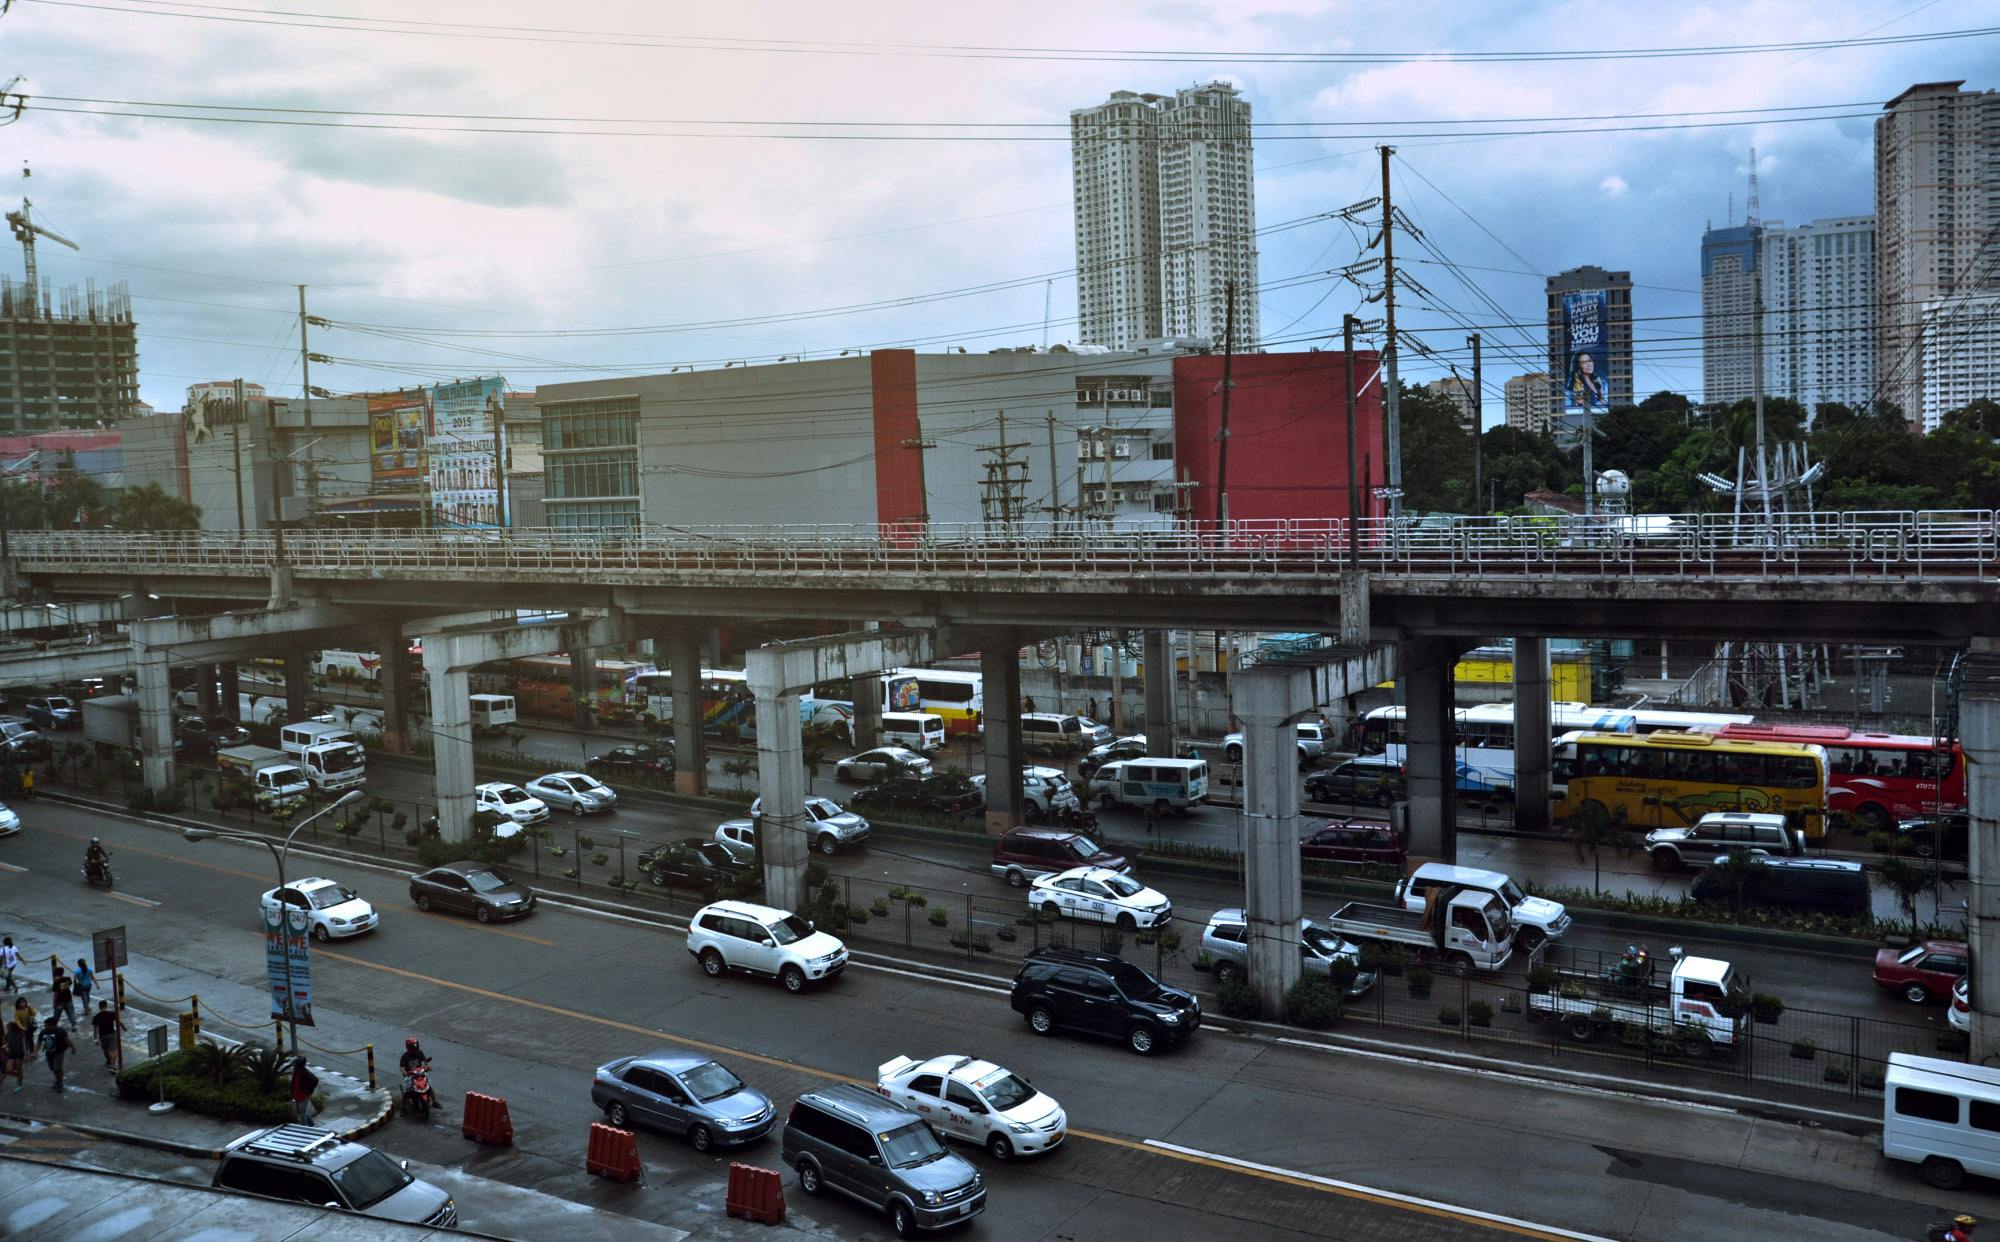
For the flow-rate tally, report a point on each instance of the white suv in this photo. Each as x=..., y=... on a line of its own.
x=510, y=802
x=1722, y=833
x=1311, y=738
x=758, y=940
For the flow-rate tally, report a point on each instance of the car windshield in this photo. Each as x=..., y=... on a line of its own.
x=341, y=758
x=1321, y=941
x=487, y=881
x=1911, y=955
x=371, y=1179
x=710, y=1082
x=1135, y=983
x=1005, y=1092
x=790, y=930
x=910, y=1146
x=1122, y=885
x=1511, y=893
x=330, y=895
x=60, y=704
x=1085, y=847
x=821, y=810
x=713, y=853
x=511, y=794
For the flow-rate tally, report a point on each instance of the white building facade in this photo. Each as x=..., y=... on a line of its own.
x=1961, y=353
x=1819, y=311
x=1531, y=402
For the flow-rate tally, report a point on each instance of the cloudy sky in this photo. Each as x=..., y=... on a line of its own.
x=733, y=221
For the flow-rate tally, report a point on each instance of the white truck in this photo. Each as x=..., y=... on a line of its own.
x=1535, y=918
x=329, y=753
x=275, y=781
x=1699, y=1007
x=1476, y=933
x=111, y=720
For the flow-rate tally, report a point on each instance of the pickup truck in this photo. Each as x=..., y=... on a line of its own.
x=1477, y=933
x=1695, y=1006
x=1535, y=918
x=275, y=780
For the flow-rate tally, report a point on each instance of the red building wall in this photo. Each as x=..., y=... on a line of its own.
x=899, y=469
x=1287, y=434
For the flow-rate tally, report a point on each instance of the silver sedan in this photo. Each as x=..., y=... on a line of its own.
x=575, y=792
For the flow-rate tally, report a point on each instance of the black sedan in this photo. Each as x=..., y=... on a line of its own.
x=484, y=892
x=1940, y=835
x=691, y=862
x=637, y=757
x=933, y=796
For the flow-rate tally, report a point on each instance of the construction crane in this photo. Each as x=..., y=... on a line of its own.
x=25, y=229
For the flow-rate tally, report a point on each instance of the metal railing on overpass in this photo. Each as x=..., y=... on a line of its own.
x=1955, y=544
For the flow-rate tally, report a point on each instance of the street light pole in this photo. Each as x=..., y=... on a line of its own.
x=278, y=855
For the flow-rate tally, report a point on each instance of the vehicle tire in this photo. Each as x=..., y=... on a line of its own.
x=1016, y=878
x=1141, y=1040
x=1665, y=859
x=1873, y=816
x=1105, y=802
x=846, y=778
x=1234, y=754
x=423, y=902
x=1227, y=973
x=809, y=1178
x=903, y=1220
x=712, y=964
x=424, y=1107
x=1942, y=1173
x=1581, y=1028
x=319, y=933
x=701, y=1138
x=998, y=1147
x=793, y=978
x=1033, y=814
x=1126, y=923
x=829, y=844
x=1696, y=1045
x=1042, y=1020
x=1460, y=965
x=483, y=914
x=1916, y=993
x=615, y=1113
x=1385, y=798
x=576, y=809
x=659, y=878
x=1530, y=939
x=1924, y=845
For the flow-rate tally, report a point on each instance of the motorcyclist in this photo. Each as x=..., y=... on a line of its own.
x=1631, y=968
x=95, y=858
x=414, y=1058
x=1961, y=1228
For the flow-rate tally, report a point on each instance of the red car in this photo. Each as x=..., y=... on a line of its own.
x=1924, y=972
x=1352, y=841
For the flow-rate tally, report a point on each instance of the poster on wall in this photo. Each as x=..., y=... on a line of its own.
x=396, y=432
x=463, y=451
x=1586, y=367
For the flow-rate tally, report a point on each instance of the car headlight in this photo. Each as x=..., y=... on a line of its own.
x=1171, y=1019
x=930, y=1198
x=1020, y=1127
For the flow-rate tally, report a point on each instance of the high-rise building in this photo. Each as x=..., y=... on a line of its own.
x=1617, y=287
x=1166, y=216
x=1819, y=311
x=69, y=358
x=1531, y=401
x=1937, y=208
x=1961, y=353
x=1458, y=391
x=1728, y=306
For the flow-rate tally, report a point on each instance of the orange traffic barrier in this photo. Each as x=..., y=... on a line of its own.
x=613, y=1153
x=486, y=1120
x=756, y=1194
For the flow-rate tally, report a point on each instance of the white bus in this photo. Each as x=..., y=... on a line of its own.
x=1648, y=721
x=1491, y=725
x=958, y=697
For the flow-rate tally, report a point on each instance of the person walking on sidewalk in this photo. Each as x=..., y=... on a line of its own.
x=56, y=1046
x=304, y=1083
x=85, y=981
x=109, y=1027
x=64, y=1000
x=10, y=961
x=14, y=1050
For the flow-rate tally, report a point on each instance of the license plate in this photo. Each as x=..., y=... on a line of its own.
x=965, y=1209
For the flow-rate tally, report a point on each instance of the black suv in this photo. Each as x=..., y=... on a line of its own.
x=1105, y=995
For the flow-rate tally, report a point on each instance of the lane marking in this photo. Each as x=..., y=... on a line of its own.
x=1380, y=1198
x=1429, y=1207
x=476, y=925
x=11, y=867
x=137, y=901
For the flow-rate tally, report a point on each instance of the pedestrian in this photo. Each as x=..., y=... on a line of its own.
x=14, y=1050
x=56, y=1045
x=304, y=1082
x=28, y=782
x=10, y=961
x=85, y=981
x=1092, y=713
x=1027, y=702
x=108, y=1026
x=64, y=1001
x=1152, y=818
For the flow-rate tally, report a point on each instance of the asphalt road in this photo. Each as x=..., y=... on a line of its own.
x=525, y=1011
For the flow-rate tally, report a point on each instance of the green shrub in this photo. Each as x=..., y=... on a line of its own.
x=1448, y=1016
x=816, y=874
x=879, y=907
x=1420, y=981
x=1835, y=1071
x=1766, y=1006
x=267, y=1068
x=1340, y=973
x=1237, y=999
x=939, y=918
x=237, y=1099
x=1542, y=977
x=1479, y=1013
x=170, y=799
x=1313, y=1003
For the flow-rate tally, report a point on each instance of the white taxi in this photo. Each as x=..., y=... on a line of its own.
x=512, y=803
x=975, y=1101
x=1100, y=895
x=333, y=910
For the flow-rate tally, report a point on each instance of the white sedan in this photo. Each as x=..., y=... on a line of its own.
x=880, y=764
x=510, y=802
x=10, y=821
x=334, y=911
x=1100, y=895
x=976, y=1102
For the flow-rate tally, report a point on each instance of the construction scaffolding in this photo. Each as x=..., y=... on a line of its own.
x=69, y=357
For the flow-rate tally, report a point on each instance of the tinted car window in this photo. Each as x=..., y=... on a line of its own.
x=371, y=1179
x=926, y=1084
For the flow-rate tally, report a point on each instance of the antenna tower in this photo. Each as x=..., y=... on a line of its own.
x=1750, y=212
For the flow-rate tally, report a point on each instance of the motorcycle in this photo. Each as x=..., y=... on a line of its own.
x=418, y=1098
x=1076, y=819
x=96, y=873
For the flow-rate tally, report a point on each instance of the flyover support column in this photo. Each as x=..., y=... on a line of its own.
x=781, y=782
x=1000, y=670
x=1532, y=734
x=394, y=676
x=155, y=698
x=1430, y=765
x=583, y=688
x=690, y=749
x=298, y=684
x=866, y=693
x=1159, y=694
x=1979, y=736
x=204, y=689
x=451, y=736
x=1269, y=703
x=229, y=691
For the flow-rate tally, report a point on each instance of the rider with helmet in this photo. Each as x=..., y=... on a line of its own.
x=95, y=858
x=415, y=1058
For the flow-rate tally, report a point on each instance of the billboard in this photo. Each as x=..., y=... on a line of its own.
x=1587, y=356
x=398, y=424
x=464, y=448
x=288, y=963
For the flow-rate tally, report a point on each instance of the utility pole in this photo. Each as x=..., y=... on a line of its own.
x=1392, y=399
x=1104, y=446
x=495, y=410
x=1757, y=352
x=306, y=384
x=1002, y=497
x=1222, y=451
x=236, y=449
x=1353, y=483
x=1055, y=479
x=1478, y=450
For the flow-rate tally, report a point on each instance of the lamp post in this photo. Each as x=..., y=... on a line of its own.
x=278, y=855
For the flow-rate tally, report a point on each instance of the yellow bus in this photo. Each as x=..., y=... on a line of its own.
x=1671, y=780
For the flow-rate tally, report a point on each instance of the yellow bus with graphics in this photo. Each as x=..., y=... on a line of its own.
x=1671, y=780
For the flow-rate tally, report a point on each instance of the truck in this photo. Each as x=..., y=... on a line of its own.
x=1700, y=1006
x=329, y=753
x=275, y=781
x=111, y=720
x=1476, y=934
x=1536, y=919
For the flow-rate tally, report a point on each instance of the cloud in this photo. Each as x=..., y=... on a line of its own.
x=1612, y=186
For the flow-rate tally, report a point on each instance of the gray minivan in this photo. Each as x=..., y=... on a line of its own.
x=872, y=1149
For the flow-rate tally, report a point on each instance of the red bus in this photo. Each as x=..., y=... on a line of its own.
x=1876, y=778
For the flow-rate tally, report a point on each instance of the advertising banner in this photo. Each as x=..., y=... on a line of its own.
x=282, y=944
x=1586, y=338
x=465, y=448
x=397, y=423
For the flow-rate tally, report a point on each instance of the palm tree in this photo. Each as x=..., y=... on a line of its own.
x=72, y=501
x=151, y=508
x=1909, y=882
x=1591, y=830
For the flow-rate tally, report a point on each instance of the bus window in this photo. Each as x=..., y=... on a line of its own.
x=1794, y=772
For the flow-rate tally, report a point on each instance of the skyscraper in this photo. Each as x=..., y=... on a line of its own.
x=1166, y=216
x=1819, y=311
x=1937, y=207
x=1530, y=399
x=1728, y=303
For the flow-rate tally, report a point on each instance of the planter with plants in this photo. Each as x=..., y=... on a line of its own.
x=1479, y=1013
x=1202, y=964
x=1766, y=1008
x=1420, y=981
x=1543, y=977
x=1835, y=1071
x=250, y=1082
x=1449, y=1016
x=1805, y=1048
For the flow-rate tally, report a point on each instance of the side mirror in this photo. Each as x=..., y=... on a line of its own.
x=405, y=1164
x=811, y=926
x=875, y=1159
x=767, y=942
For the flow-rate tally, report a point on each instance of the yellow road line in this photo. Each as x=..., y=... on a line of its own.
x=476, y=925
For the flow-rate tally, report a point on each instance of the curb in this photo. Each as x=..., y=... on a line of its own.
x=123, y=1136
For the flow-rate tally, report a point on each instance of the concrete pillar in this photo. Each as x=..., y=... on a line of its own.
x=451, y=736
x=1000, y=668
x=1430, y=764
x=1159, y=694
x=781, y=781
x=229, y=691
x=1979, y=735
x=394, y=678
x=1532, y=734
x=1269, y=703
x=866, y=693
x=204, y=688
x=298, y=684
x=583, y=687
x=690, y=747
x=154, y=697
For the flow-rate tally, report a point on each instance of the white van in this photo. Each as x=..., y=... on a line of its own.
x=492, y=713
x=1943, y=1117
x=330, y=754
x=919, y=731
x=1158, y=783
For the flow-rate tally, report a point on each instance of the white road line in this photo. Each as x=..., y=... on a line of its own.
x=1356, y=1188
x=137, y=901
x=11, y=867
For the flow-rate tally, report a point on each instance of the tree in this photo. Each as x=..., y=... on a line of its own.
x=1591, y=830
x=73, y=501
x=1437, y=454
x=1980, y=416
x=151, y=508
x=1909, y=882
x=1518, y=462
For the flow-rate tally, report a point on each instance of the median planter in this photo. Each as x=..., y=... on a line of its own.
x=1448, y=1016
x=1766, y=1008
x=1479, y=1013
x=1804, y=1050
x=1420, y=982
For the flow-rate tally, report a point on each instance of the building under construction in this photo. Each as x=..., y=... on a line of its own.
x=69, y=358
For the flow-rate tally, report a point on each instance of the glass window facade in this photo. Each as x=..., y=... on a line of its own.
x=590, y=460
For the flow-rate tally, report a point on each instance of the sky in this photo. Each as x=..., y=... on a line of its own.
x=740, y=222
